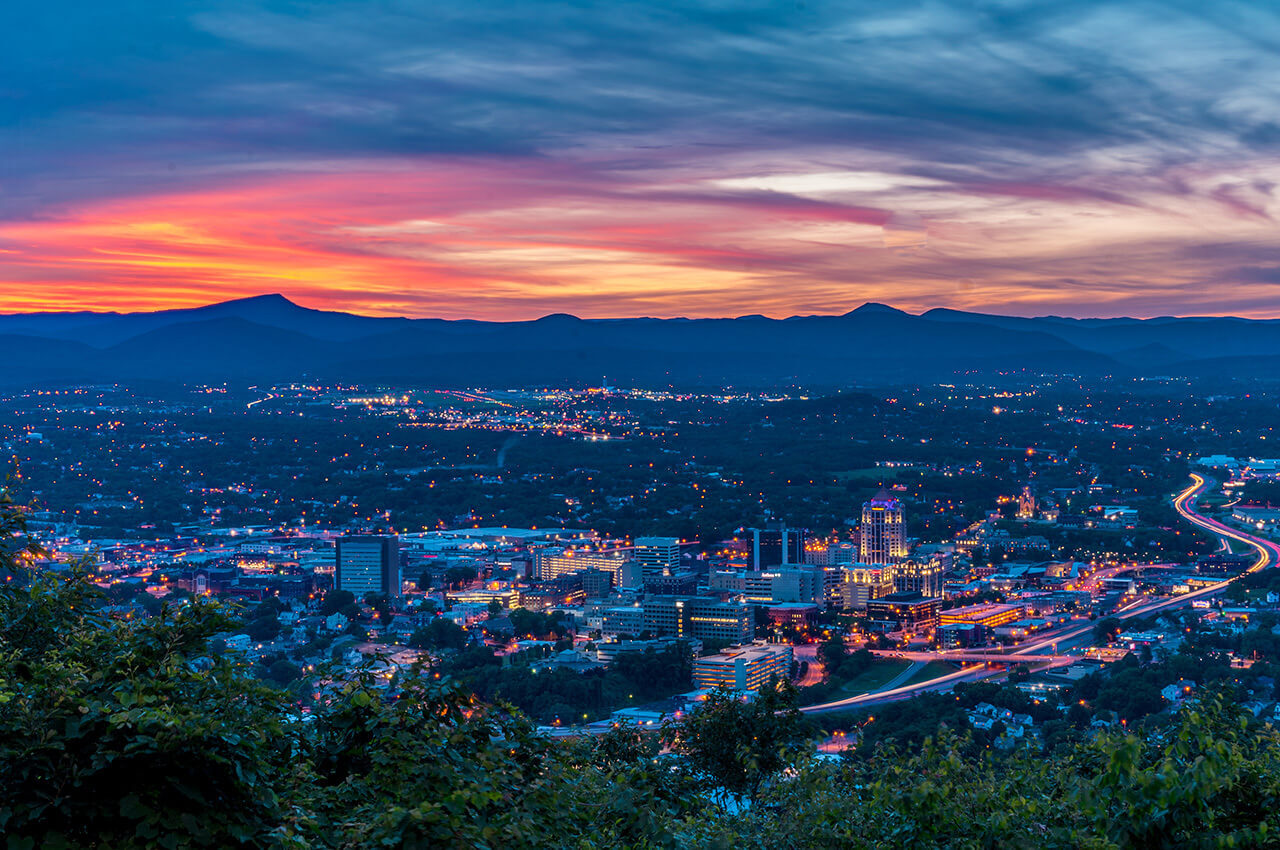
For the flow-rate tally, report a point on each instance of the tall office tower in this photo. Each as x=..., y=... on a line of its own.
x=923, y=577
x=658, y=556
x=776, y=546
x=368, y=565
x=882, y=535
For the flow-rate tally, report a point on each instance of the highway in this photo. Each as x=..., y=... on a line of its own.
x=1267, y=555
x=267, y=397
x=1184, y=503
x=1043, y=649
x=972, y=673
x=1027, y=651
x=999, y=656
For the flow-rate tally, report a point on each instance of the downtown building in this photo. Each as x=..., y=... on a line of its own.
x=863, y=583
x=693, y=617
x=743, y=668
x=989, y=615
x=882, y=537
x=657, y=556
x=777, y=545
x=781, y=584
x=368, y=564
x=909, y=611
x=923, y=577
x=555, y=561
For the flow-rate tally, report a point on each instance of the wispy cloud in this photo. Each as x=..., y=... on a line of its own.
x=508, y=160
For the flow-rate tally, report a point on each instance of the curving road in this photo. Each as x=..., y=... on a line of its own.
x=1268, y=555
x=941, y=683
x=1185, y=504
x=267, y=397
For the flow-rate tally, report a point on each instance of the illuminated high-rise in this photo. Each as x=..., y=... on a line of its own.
x=368, y=565
x=923, y=577
x=658, y=556
x=882, y=535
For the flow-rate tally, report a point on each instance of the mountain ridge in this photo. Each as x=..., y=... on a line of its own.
x=271, y=337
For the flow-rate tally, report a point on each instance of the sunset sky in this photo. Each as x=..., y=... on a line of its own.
x=509, y=160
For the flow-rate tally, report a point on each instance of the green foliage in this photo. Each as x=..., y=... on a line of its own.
x=535, y=624
x=832, y=653
x=735, y=745
x=547, y=694
x=283, y=671
x=111, y=736
x=263, y=629
x=439, y=633
x=1210, y=782
x=1106, y=629
x=116, y=734
x=335, y=601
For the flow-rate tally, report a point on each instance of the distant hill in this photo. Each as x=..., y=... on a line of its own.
x=270, y=338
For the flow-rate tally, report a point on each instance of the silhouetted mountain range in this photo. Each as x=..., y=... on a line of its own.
x=269, y=338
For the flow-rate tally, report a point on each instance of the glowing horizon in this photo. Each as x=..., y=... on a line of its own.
x=416, y=167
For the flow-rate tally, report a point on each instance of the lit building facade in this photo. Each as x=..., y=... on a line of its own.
x=862, y=584
x=910, y=611
x=924, y=577
x=553, y=562
x=658, y=556
x=784, y=584
x=701, y=617
x=990, y=616
x=743, y=668
x=882, y=536
x=1027, y=503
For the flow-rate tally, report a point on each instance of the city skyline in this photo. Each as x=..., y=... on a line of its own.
x=575, y=424
x=498, y=162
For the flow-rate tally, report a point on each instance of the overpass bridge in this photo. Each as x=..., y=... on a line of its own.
x=994, y=657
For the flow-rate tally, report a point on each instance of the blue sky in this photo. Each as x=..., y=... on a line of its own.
x=508, y=160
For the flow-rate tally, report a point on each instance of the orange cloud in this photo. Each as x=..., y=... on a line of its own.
x=513, y=239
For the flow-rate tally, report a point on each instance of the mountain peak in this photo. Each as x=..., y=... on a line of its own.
x=872, y=308
x=270, y=299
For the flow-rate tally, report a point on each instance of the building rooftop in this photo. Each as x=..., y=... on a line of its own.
x=978, y=611
x=749, y=652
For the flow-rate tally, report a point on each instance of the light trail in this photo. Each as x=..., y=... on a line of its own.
x=267, y=397
x=939, y=683
x=1268, y=554
x=1184, y=504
